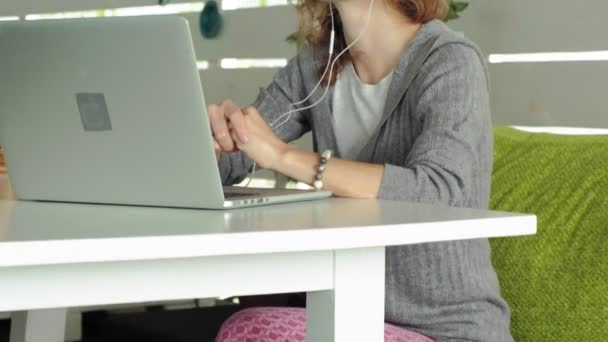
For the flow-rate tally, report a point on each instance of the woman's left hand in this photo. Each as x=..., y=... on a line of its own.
x=263, y=146
x=344, y=178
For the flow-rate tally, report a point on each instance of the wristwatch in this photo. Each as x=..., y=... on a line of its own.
x=325, y=157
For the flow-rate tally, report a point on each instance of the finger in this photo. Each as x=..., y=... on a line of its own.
x=254, y=114
x=218, y=150
x=220, y=128
x=216, y=146
x=236, y=138
x=249, y=110
x=235, y=116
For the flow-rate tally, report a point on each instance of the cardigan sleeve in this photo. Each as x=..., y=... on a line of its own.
x=444, y=164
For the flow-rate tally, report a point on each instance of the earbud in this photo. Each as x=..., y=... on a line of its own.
x=331, y=41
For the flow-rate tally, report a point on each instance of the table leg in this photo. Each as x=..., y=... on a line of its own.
x=38, y=326
x=354, y=309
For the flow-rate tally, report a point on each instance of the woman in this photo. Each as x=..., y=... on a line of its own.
x=408, y=119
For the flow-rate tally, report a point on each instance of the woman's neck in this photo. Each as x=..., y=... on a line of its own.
x=387, y=36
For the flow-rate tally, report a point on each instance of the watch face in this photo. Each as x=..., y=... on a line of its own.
x=93, y=112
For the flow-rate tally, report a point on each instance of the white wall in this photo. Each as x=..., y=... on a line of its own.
x=546, y=94
x=23, y=7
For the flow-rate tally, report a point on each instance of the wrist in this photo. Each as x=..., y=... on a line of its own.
x=282, y=151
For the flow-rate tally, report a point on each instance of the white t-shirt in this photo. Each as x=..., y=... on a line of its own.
x=357, y=109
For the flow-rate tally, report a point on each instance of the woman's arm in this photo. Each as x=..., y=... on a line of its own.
x=286, y=87
x=343, y=177
x=444, y=164
x=450, y=160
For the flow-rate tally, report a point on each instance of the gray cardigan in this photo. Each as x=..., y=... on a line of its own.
x=435, y=140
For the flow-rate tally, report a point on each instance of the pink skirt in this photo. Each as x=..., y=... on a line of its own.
x=288, y=325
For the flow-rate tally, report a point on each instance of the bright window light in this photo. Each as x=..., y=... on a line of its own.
x=65, y=15
x=271, y=184
x=583, y=56
x=179, y=8
x=235, y=63
x=279, y=2
x=298, y=186
x=563, y=130
x=202, y=65
x=9, y=18
x=237, y=4
x=259, y=183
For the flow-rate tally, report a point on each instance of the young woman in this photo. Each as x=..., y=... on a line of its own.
x=407, y=117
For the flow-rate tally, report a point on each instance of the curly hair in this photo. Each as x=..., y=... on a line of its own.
x=315, y=25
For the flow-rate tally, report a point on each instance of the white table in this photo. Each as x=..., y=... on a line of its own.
x=54, y=256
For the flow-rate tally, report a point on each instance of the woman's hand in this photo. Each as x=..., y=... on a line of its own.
x=245, y=130
x=225, y=119
x=262, y=145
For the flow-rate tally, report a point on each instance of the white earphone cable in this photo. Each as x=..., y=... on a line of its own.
x=291, y=110
x=331, y=52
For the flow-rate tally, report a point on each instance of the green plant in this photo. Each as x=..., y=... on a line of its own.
x=293, y=39
x=456, y=8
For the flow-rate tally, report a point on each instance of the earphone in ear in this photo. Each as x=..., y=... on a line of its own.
x=329, y=66
x=331, y=47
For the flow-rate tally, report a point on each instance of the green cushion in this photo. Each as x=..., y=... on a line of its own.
x=556, y=282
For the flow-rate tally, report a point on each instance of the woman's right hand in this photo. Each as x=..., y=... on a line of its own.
x=225, y=118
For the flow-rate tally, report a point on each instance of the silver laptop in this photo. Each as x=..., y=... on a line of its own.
x=112, y=111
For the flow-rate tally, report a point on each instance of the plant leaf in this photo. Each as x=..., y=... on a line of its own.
x=452, y=15
x=459, y=6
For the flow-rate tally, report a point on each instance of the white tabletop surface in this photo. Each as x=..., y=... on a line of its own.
x=37, y=233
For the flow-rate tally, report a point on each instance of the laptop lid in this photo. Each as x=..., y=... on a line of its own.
x=106, y=111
